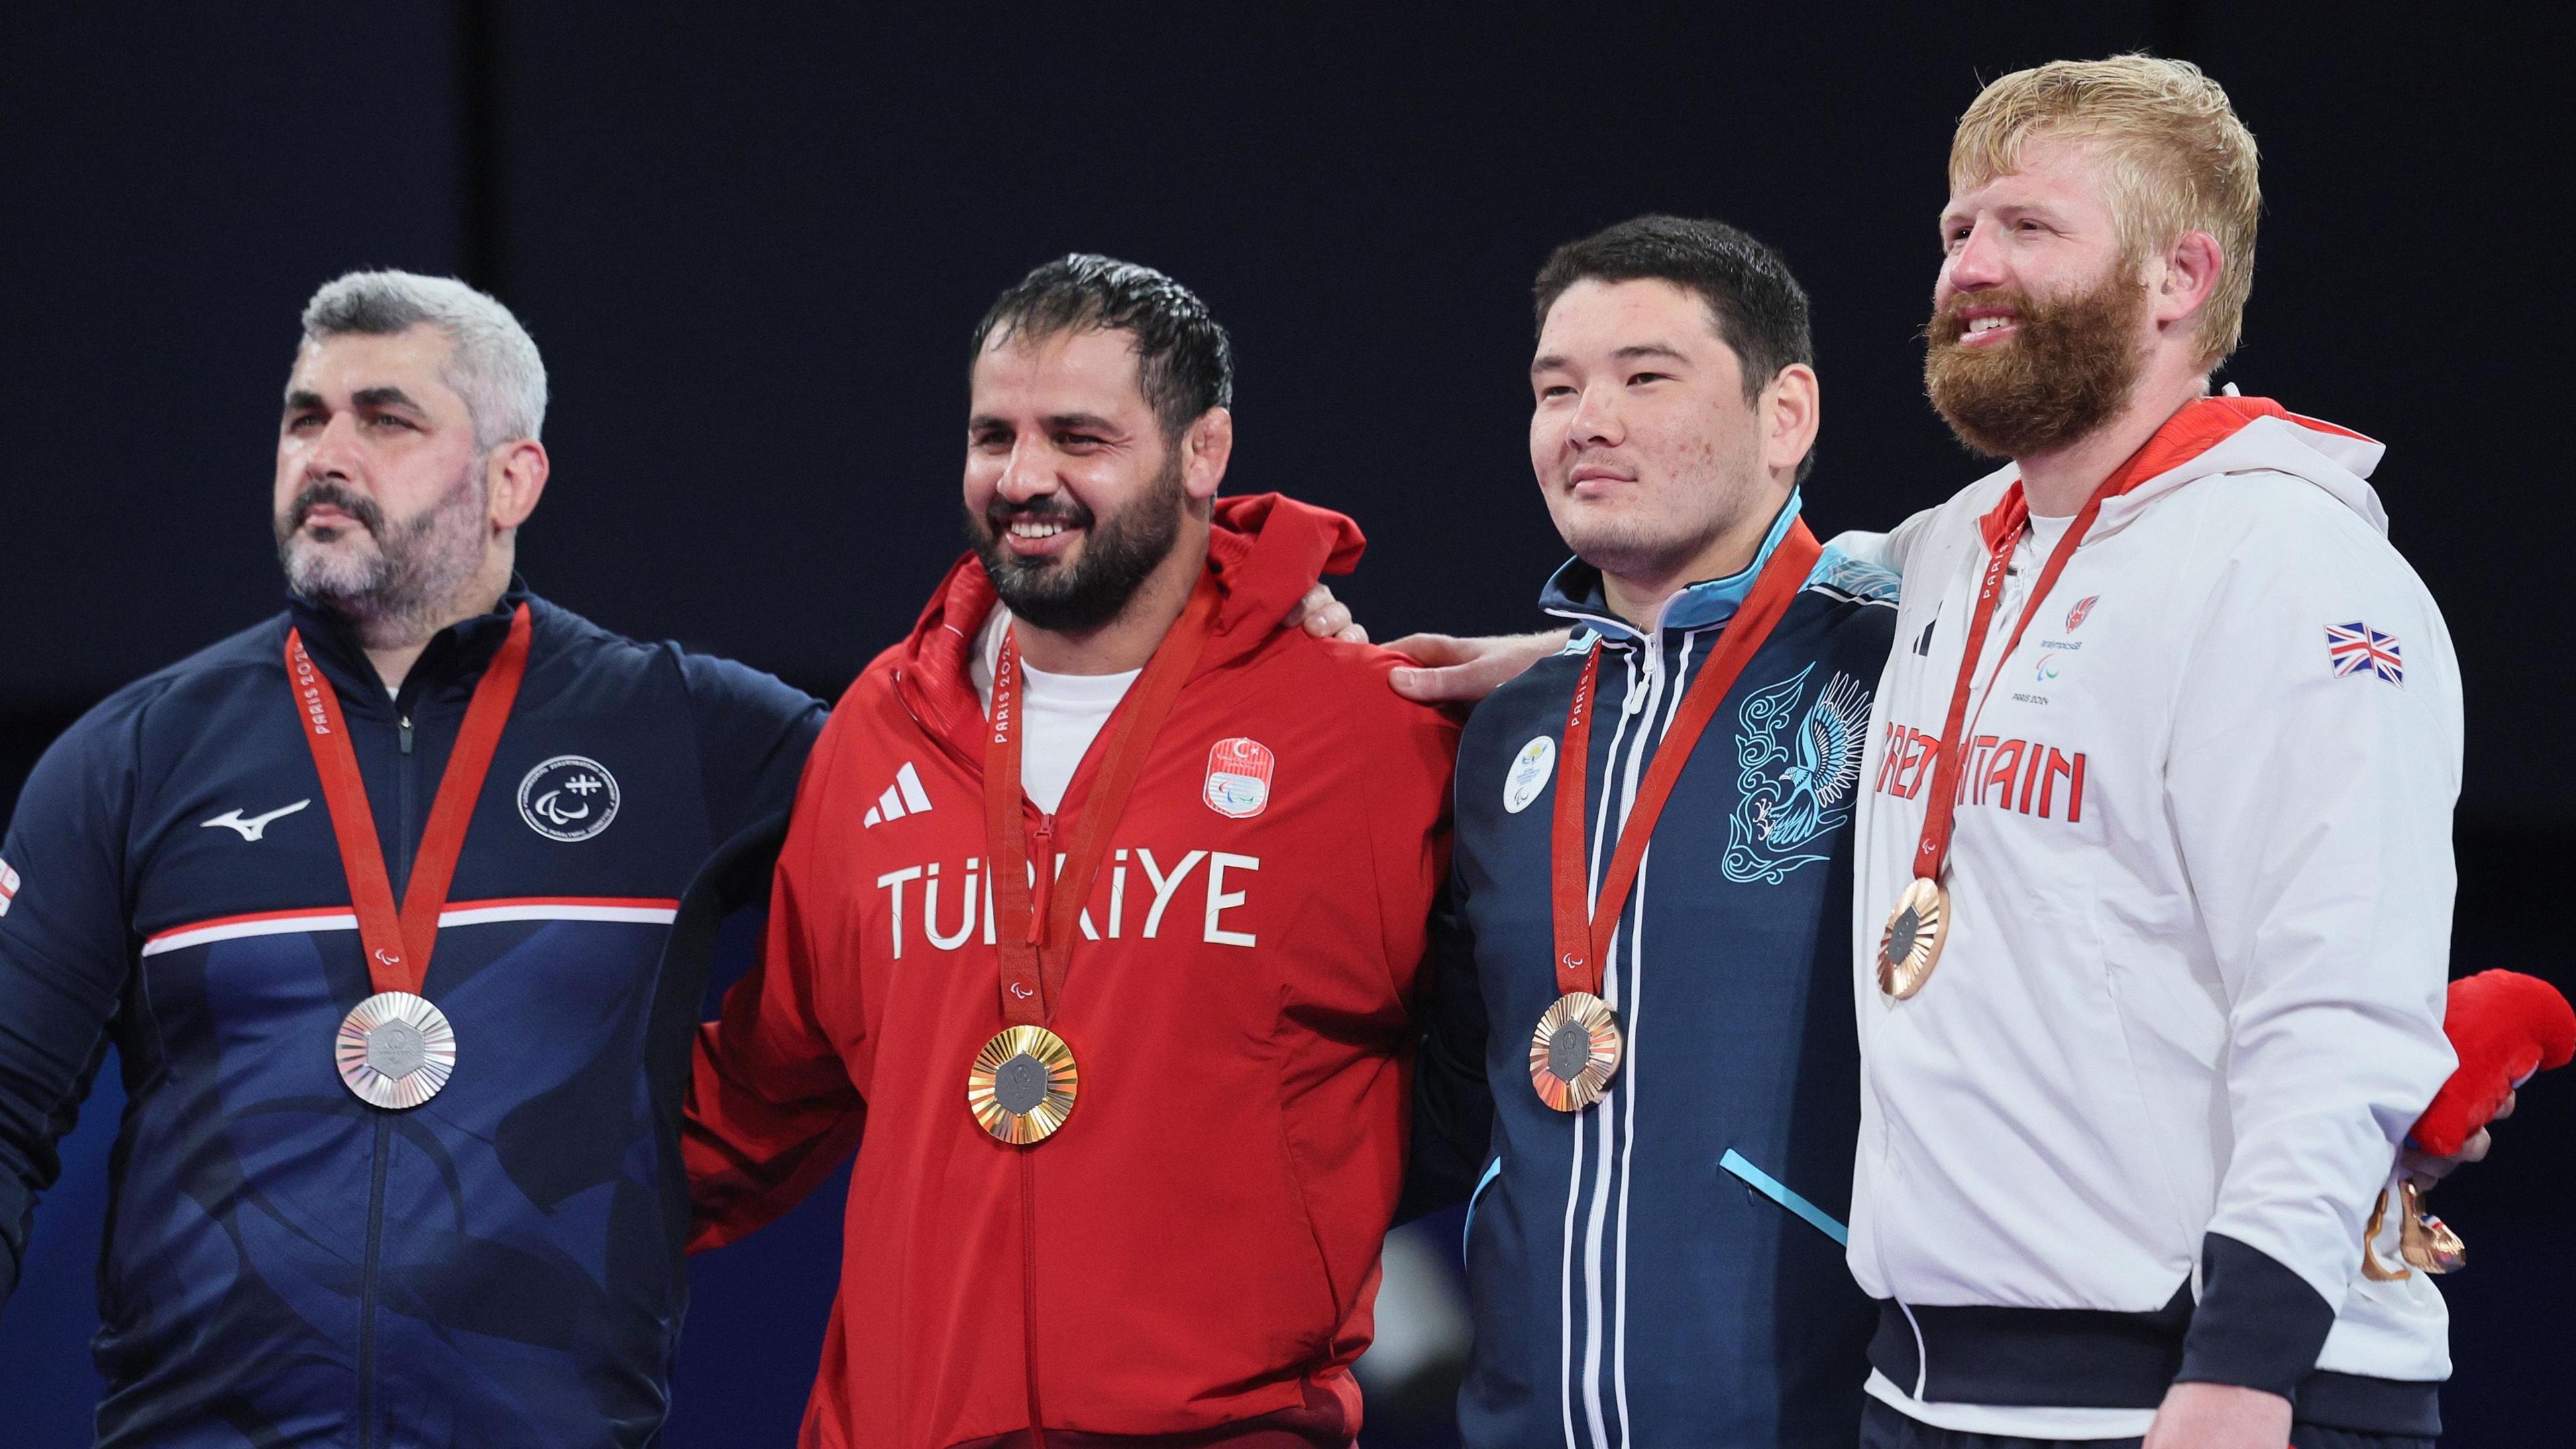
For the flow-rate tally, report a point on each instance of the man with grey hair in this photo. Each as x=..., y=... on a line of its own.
x=402, y=1058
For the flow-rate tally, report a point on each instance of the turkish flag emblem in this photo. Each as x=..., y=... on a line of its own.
x=1238, y=778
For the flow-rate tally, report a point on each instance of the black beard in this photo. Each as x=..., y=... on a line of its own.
x=1119, y=554
x=2069, y=370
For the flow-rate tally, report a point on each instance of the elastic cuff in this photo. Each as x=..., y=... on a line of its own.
x=2259, y=1325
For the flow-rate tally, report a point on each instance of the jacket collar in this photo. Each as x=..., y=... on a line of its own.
x=1574, y=591
x=2210, y=436
x=1265, y=551
x=451, y=663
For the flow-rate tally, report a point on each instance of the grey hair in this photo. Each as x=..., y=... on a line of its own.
x=494, y=365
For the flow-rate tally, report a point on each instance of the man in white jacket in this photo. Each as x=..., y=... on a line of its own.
x=2162, y=930
x=2147, y=1009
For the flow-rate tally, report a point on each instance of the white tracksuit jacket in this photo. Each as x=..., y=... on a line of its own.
x=2191, y=998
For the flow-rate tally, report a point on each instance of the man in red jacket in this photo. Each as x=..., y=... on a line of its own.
x=1096, y=929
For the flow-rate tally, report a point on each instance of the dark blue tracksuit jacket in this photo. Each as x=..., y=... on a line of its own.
x=1664, y=1268
x=285, y=1265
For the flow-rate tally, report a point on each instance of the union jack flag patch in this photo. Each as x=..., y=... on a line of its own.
x=2356, y=648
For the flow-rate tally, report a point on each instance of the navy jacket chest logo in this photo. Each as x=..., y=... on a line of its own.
x=1795, y=771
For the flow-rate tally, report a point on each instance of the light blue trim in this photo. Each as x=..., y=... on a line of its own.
x=1493, y=1169
x=1858, y=579
x=1778, y=1192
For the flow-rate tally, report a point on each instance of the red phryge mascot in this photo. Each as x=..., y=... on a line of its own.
x=2505, y=1026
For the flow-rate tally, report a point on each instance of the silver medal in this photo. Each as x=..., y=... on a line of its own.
x=395, y=1050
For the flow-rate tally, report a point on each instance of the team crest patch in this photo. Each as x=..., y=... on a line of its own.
x=2357, y=648
x=1529, y=773
x=2083, y=610
x=8, y=887
x=1791, y=793
x=570, y=797
x=1238, y=778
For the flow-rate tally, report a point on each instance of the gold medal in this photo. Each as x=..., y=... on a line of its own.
x=1022, y=1085
x=395, y=1050
x=1575, y=1051
x=1911, y=945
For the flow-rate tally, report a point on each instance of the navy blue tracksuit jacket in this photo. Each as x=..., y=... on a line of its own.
x=1663, y=1268
x=284, y=1264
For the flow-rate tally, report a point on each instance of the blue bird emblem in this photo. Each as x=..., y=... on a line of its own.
x=1793, y=784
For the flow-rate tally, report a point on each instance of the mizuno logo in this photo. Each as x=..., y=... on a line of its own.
x=904, y=797
x=256, y=826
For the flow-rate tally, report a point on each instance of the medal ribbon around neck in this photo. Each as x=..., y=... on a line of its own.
x=1024, y=1081
x=1577, y=1046
x=1911, y=944
x=394, y=1049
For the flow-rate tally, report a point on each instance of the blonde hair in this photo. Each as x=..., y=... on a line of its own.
x=2179, y=159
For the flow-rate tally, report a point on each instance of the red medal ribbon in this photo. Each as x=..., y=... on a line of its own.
x=1583, y=943
x=1036, y=940
x=2194, y=429
x=398, y=946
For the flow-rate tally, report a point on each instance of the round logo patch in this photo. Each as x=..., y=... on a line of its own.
x=1529, y=772
x=569, y=797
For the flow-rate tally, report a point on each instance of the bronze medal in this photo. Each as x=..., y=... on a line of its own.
x=395, y=1050
x=1575, y=1051
x=1022, y=1085
x=1577, y=1046
x=1911, y=945
x=2426, y=1241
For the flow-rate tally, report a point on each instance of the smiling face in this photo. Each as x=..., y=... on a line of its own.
x=2041, y=325
x=1643, y=443
x=1073, y=495
x=380, y=497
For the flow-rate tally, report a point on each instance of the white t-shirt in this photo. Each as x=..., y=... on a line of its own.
x=1062, y=713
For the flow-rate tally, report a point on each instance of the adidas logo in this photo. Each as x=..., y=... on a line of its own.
x=904, y=797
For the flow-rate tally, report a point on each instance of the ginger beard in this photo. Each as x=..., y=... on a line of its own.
x=2068, y=368
x=391, y=579
x=1117, y=554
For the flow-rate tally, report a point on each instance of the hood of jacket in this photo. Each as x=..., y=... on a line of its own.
x=1264, y=549
x=2228, y=434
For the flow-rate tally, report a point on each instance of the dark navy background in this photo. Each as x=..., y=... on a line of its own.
x=752, y=251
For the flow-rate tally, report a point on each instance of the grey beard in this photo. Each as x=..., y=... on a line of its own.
x=400, y=595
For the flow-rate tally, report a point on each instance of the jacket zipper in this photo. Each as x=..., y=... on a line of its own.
x=1029, y=1287
x=403, y=768
x=1044, y=861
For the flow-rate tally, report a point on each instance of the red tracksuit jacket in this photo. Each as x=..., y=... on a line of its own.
x=1197, y=1249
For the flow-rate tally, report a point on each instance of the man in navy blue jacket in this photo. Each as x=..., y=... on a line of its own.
x=188, y=879
x=1640, y=1062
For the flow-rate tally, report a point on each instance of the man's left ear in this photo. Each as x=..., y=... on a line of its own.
x=2189, y=275
x=1207, y=447
x=515, y=475
x=1792, y=410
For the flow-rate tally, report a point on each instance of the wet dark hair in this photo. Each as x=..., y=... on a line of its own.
x=1760, y=310
x=1184, y=360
